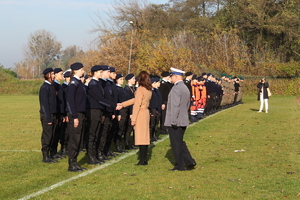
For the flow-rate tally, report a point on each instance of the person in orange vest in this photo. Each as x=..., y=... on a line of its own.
x=195, y=96
x=201, y=98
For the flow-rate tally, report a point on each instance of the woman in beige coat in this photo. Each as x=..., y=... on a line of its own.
x=140, y=115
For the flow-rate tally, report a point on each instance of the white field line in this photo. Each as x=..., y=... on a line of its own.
x=82, y=174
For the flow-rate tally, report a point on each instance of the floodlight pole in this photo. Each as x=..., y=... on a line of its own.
x=130, y=51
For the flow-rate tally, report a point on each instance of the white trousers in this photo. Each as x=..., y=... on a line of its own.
x=262, y=102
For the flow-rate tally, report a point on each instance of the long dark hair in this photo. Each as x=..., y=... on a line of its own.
x=144, y=80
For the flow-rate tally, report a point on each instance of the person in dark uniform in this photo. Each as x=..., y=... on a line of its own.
x=188, y=80
x=165, y=88
x=236, y=90
x=47, y=98
x=130, y=89
x=111, y=85
x=177, y=120
x=58, y=73
x=76, y=103
x=108, y=112
x=65, y=134
x=122, y=118
x=159, y=101
x=153, y=109
x=96, y=107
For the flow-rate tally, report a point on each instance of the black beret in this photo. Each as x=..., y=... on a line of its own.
x=203, y=74
x=67, y=74
x=189, y=73
x=105, y=67
x=201, y=79
x=153, y=80
x=112, y=69
x=47, y=70
x=165, y=74
x=119, y=76
x=209, y=74
x=76, y=66
x=86, y=76
x=129, y=76
x=96, y=68
x=56, y=70
x=194, y=77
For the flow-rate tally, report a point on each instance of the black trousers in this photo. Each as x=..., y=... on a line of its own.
x=120, y=127
x=75, y=136
x=143, y=152
x=180, y=151
x=47, y=132
x=64, y=137
x=94, y=117
x=163, y=129
x=57, y=132
x=128, y=130
x=105, y=130
x=153, y=121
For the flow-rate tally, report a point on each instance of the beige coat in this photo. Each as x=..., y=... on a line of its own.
x=141, y=115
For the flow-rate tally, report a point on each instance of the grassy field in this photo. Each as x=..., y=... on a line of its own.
x=267, y=165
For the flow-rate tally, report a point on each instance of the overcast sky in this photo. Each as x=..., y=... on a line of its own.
x=69, y=20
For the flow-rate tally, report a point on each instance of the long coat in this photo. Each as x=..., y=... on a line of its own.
x=262, y=87
x=178, y=105
x=141, y=115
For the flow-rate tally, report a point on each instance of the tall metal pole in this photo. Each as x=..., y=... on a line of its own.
x=130, y=51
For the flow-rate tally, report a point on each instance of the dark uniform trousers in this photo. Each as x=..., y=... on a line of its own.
x=105, y=130
x=94, y=123
x=128, y=130
x=75, y=136
x=57, y=133
x=180, y=151
x=153, y=121
x=163, y=129
x=48, y=132
x=120, y=127
x=64, y=137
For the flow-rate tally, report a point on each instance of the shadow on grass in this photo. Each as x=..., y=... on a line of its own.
x=253, y=109
x=170, y=157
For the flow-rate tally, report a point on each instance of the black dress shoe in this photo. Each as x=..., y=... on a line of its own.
x=56, y=156
x=142, y=163
x=79, y=167
x=49, y=160
x=191, y=166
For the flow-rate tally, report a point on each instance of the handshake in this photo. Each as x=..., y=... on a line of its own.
x=119, y=106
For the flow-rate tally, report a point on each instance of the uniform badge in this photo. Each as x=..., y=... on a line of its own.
x=72, y=82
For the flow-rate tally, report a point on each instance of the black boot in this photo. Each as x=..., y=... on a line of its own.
x=102, y=156
x=47, y=159
x=54, y=154
x=143, y=155
x=92, y=160
x=111, y=154
x=73, y=166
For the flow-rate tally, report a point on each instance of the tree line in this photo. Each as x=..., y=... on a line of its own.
x=236, y=37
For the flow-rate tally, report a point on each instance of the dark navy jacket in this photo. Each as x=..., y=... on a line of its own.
x=96, y=97
x=130, y=91
x=159, y=99
x=76, y=97
x=109, y=93
x=60, y=107
x=153, y=105
x=64, y=87
x=47, y=97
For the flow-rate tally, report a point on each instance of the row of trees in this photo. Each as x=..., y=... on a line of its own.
x=244, y=37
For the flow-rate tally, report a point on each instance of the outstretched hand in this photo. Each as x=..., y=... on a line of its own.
x=119, y=106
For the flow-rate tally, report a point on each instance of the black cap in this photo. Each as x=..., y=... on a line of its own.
x=112, y=69
x=129, y=76
x=67, y=74
x=189, y=73
x=47, y=70
x=86, y=76
x=165, y=74
x=194, y=77
x=201, y=79
x=105, y=67
x=119, y=76
x=209, y=74
x=56, y=70
x=76, y=66
x=203, y=74
x=96, y=68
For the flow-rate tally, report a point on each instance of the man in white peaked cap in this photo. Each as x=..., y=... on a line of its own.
x=177, y=119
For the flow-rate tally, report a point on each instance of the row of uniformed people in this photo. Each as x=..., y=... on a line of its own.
x=210, y=94
x=74, y=102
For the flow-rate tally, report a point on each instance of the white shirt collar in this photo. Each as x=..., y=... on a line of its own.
x=76, y=77
x=47, y=82
x=56, y=81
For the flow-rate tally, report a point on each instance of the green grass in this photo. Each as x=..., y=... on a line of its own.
x=267, y=169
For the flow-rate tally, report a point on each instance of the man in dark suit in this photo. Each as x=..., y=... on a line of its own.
x=177, y=119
